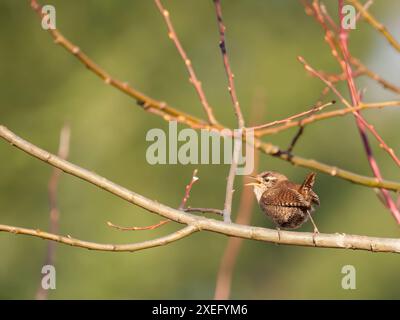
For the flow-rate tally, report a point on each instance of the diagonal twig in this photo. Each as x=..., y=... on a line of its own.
x=353, y=110
x=168, y=113
x=361, y=123
x=192, y=75
x=162, y=222
x=313, y=110
x=188, y=188
x=376, y=24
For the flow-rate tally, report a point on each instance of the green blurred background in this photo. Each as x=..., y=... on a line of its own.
x=43, y=86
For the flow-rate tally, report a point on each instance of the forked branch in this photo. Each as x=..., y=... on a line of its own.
x=194, y=223
x=169, y=113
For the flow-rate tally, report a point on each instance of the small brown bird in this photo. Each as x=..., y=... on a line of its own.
x=288, y=204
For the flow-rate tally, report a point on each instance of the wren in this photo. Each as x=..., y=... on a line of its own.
x=287, y=204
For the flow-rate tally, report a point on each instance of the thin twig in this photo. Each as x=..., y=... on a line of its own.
x=232, y=250
x=168, y=113
x=366, y=7
x=364, y=70
x=225, y=58
x=204, y=210
x=361, y=123
x=382, y=144
x=238, y=112
x=151, y=227
x=295, y=139
x=194, y=222
x=192, y=75
x=376, y=24
x=130, y=247
x=147, y=103
x=188, y=188
x=237, y=143
x=320, y=13
x=326, y=115
x=63, y=151
x=291, y=118
x=162, y=222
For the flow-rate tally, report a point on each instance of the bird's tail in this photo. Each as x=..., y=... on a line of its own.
x=308, y=182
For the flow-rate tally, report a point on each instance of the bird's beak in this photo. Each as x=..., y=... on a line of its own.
x=253, y=183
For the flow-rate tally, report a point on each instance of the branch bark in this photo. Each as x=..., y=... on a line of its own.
x=130, y=247
x=238, y=112
x=321, y=240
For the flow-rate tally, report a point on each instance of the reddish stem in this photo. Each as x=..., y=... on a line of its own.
x=343, y=42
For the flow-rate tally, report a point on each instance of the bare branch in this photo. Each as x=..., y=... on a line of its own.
x=194, y=222
x=130, y=247
x=238, y=112
x=323, y=116
x=149, y=104
x=188, y=189
x=362, y=124
x=225, y=58
x=320, y=13
x=161, y=223
x=352, y=109
x=63, y=151
x=376, y=24
x=291, y=118
x=362, y=69
x=231, y=179
x=192, y=75
x=204, y=210
x=168, y=113
x=231, y=253
x=151, y=227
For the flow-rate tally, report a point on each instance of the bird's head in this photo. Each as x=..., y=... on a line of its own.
x=264, y=181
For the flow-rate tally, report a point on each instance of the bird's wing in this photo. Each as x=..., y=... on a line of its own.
x=284, y=197
x=314, y=198
x=308, y=182
x=306, y=189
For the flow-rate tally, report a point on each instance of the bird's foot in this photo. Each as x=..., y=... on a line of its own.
x=316, y=231
x=279, y=233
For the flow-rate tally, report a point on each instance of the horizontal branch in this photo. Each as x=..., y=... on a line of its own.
x=151, y=227
x=131, y=247
x=194, y=222
x=313, y=110
x=291, y=122
x=205, y=210
x=325, y=168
